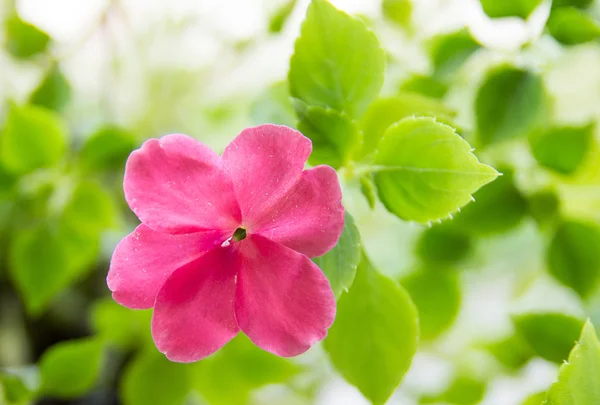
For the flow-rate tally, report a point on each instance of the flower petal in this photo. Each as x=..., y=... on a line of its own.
x=264, y=162
x=283, y=301
x=310, y=218
x=193, y=315
x=144, y=259
x=176, y=184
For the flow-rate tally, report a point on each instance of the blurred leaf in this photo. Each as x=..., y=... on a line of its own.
x=513, y=351
x=450, y=51
x=13, y=390
x=375, y=334
x=425, y=85
x=387, y=111
x=273, y=106
x=510, y=103
x=498, y=207
x=336, y=51
x=436, y=294
x=578, y=378
x=544, y=206
x=573, y=256
x=535, y=399
x=571, y=26
x=107, y=149
x=39, y=266
x=90, y=208
x=425, y=171
x=47, y=258
x=236, y=370
x=32, y=138
x=7, y=183
x=562, y=149
x=367, y=188
x=152, y=379
x=398, y=11
x=118, y=325
x=53, y=92
x=69, y=369
x=574, y=3
x=281, y=15
x=443, y=244
x=464, y=390
x=333, y=134
x=550, y=335
x=340, y=263
x=509, y=8
x=24, y=40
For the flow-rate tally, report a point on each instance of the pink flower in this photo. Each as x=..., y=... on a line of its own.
x=225, y=242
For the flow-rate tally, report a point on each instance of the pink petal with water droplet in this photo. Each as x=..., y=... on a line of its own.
x=264, y=163
x=310, y=217
x=194, y=314
x=176, y=184
x=283, y=301
x=144, y=259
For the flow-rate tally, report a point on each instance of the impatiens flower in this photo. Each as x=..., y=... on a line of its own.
x=225, y=242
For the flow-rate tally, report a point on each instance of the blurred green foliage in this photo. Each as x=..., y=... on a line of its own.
x=550, y=335
x=509, y=8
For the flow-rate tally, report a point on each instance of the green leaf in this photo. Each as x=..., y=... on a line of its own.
x=32, y=138
x=333, y=134
x=573, y=257
x=47, y=258
x=375, y=334
x=120, y=326
x=509, y=8
x=280, y=16
x=24, y=40
x=337, y=61
x=578, y=378
x=544, y=206
x=53, y=92
x=425, y=171
x=571, y=26
x=106, y=149
x=503, y=199
x=236, y=370
x=387, y=111
x=367, y=188
x=340, y=263
x=152, y=379
x=450, y=51
x=424, y=85
x=535, y=399
x=8, y=181
x=510, y=103
x=273, y=106
x=70, y=368
x=550, y=335
x=398, y=11
x=562, y=149
x=13, y=390
x=464, y=390
x=574, y=3
x=90, y=208
x=39, y=266
x=444, y=244
x=436, y=294
x=513, y=351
